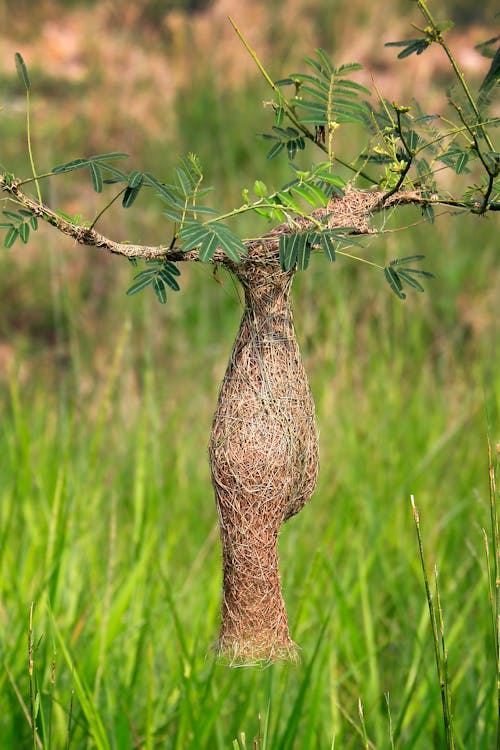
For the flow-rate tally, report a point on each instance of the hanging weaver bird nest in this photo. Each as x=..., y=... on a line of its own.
x=264, y=446
x=264, y=459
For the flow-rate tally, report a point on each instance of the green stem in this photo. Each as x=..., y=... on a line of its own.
x=438, y=37
x=38, y=177
x=30, y=151
x=252, y=206
x=409, y=160
x=108, y=205
x=495, y=538
x=283, y=102
x=361, y=260
x=438, y=645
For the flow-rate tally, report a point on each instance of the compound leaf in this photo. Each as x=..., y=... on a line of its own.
x=208, y=237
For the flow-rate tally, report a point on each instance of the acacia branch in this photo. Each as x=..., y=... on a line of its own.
x=89, y=236
x=352, y=210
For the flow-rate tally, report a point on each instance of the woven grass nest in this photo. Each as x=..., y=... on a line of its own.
x=264, y=445
x=264, y=460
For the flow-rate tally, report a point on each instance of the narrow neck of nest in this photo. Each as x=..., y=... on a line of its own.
x=267, y=290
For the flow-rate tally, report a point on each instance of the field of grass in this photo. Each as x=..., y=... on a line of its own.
x=109, y=527
x=110, y=562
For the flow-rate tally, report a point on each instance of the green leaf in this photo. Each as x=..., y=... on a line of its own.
x=291, y=148
x=108, y=156
x=173, y=214
x=403, y=274
x=11, y=237
x=428, y=212
x=159, y=290
x=172, y=268
x=34, y=223
x=139, y=285
x=184, y=182
x=294, y=249
x=279, y=115
x=407, y=259
x=119, y=175
x=312, y=194
x=320, y=196
x=319, y=93
x=70, y=166
x=260, y=188
x=160, y=187
x=352, y=67
x=204, y=210
x=492, y=77
x=483, y=46
x=410, y=46
x=303, y=251
x=325, y=61
x=130, y=195
x=276, y=149
x=394, y=282
x=169, y=279
x=135, y=178
x=315, y=107
x=22, y=70
x=96, y=175
x=462, y=160
x=208, y=237
x=284, y=82
x=6, y=224
x=328, y=246
x=287, y=251
x=24, y=232
x=346, y=83
x=289, y=201
x=331, y=179
x=320, y=84
x=148, y=273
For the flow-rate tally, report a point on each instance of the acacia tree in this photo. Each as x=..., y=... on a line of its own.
x=263, y=445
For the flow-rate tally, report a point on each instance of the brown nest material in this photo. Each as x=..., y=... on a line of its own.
x=264, y=459
x=264, y=445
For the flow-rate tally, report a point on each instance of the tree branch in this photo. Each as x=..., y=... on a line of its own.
x=88, y=236
x=352, y=210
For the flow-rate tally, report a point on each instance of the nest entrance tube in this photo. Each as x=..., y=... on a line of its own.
x=264, y=462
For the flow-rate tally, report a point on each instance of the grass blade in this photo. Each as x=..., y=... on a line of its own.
x=439, y=644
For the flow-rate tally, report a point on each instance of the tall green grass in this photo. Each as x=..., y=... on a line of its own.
x=109, y=553
x=108, y=525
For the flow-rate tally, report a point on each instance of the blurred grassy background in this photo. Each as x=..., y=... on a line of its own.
x=107, y=521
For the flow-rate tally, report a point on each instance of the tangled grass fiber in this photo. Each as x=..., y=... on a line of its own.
x=264, y=447
x=264, y=460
